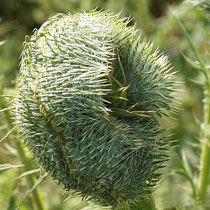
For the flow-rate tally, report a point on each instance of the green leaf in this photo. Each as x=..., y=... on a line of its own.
x=199, y=83
x=8, y=134
x=194, y=64
x=12, y=201
x=186, y=34
x=2, y=110
x=4, y=167
x=202, y=68
x=28, y=173
x=40, y=180
x=186, y=164
x=187, y=173
x=183, y=173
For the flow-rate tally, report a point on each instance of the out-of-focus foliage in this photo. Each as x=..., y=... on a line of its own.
x=20, y=17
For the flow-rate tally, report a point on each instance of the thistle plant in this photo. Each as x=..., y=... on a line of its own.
x=90, y=98
x=200, y=63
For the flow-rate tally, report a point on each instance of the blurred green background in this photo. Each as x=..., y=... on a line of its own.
x=154, y=18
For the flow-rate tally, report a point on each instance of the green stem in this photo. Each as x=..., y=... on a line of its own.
x=24, y=159
x=205, y=168
x=205, y=171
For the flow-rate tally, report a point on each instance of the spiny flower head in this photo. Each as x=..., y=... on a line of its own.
x=90, y=95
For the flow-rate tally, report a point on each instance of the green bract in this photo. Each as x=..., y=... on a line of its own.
x=90, y=96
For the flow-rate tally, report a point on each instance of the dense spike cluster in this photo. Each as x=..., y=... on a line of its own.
x=90, y=95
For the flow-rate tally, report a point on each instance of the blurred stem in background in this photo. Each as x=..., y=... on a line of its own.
x=31, y=179
x=205, y=169
x=200, y=66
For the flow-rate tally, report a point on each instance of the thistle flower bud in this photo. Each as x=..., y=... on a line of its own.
x=90, y=95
